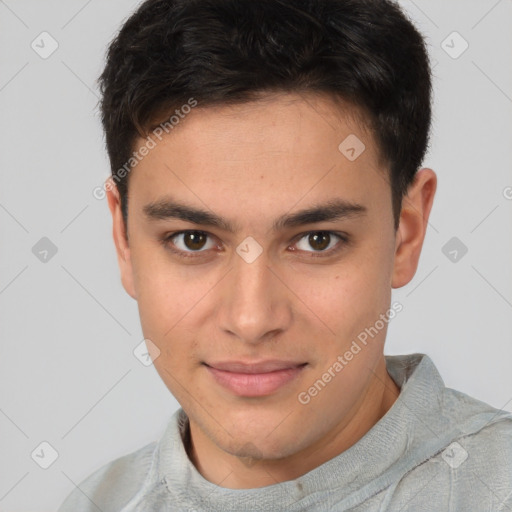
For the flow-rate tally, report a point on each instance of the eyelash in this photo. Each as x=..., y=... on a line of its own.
x=344, y=240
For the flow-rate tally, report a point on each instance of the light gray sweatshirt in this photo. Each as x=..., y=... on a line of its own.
x=436, y=449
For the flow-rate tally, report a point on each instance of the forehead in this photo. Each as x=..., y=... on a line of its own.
x=277, y=151
x=275, y=119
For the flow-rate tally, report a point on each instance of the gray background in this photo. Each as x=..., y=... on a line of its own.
x=68, y=375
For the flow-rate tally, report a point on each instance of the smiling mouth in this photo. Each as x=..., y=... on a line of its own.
x=254, y=379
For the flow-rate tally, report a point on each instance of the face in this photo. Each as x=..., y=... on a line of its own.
x=253, y=280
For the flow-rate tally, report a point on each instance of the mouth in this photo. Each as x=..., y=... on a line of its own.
x=254, y=379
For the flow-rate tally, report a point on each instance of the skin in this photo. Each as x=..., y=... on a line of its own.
x=250, y=164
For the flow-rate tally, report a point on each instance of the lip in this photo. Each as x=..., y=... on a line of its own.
x=270, y=365
x=254, y=379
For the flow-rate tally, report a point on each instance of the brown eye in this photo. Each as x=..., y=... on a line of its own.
x=319, y=241
x=322, y=242
x=189, y=242
x=194, y=240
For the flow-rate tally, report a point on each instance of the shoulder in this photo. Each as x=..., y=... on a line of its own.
x=113, y=485
x=482, y=440
x=472, y=469
x=491, y=451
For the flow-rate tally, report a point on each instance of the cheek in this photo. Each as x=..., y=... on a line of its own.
x=347, y=297
x=169, y=298
x=161, y=286
x=160, y=306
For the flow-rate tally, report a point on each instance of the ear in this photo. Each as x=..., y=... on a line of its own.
x=120, y=240
x=416, y=206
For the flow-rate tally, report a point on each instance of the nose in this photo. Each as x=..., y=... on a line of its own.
x=255, y=305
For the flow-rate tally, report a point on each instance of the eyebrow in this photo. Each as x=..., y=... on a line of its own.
x=330, y=211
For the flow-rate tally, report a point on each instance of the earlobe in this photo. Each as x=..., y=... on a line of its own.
x=416, y=207
x=120, y=240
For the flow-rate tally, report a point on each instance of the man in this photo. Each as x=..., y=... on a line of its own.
x=266, y=198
